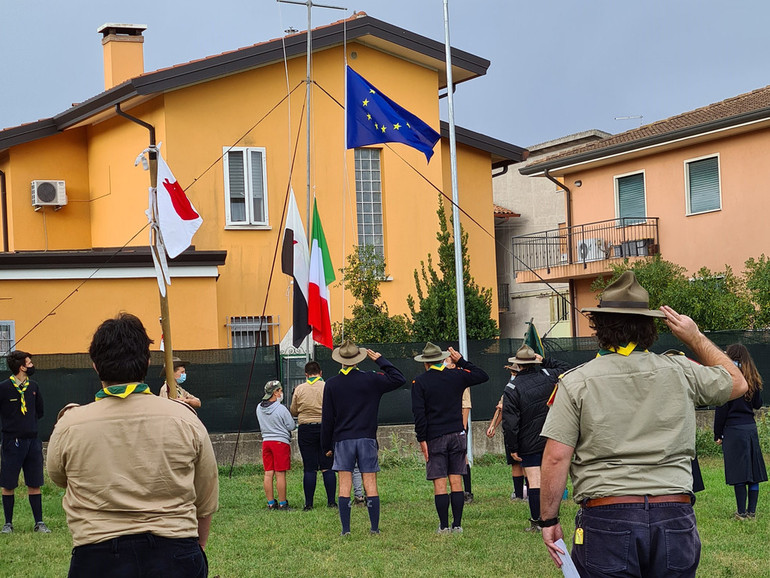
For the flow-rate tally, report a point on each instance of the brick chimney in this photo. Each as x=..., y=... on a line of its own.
x=123, y=52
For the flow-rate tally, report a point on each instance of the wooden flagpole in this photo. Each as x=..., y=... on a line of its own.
x=165, y=321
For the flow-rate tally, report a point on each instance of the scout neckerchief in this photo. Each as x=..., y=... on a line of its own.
x=437, y=367
x=346, y=370
x=122, y=390
x=21, y=388
x=312, y=380
x=624, y=350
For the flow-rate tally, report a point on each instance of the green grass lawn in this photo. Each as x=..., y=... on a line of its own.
x=247, y=540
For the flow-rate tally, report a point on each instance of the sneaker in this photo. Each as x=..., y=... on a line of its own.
x=533, y=527
x=751, y=515
x=307, y=508
x=468, y=498
x=7, y=529
x=284, y=507
x=344, y=534
x=374, y=532
x=457, y=529
x=741, y=516
x=42, y=528
x=515, y=499
x=273, y=506
x=359, y=501
x=442, y=531
x=332, y=505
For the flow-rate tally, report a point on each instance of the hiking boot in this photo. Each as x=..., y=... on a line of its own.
x=442, y=531
x=7, y=529
x=42, y=528
x=273, y=506
x=359, y=501
x=741, y=516
x=332, y=505
x=307, y=508
x=284, y=507
x=457, y=529
x=468, y=497
x=751, y=515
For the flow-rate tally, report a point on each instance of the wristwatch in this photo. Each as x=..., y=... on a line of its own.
x=540, y=523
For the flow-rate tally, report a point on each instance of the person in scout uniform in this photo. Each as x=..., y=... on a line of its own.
x=139, y=472
x=525, y=407
x=438, y=423
x=351, y=400
x=21, y=406
x=306, y=404
x=623, y=425
x=180, y=376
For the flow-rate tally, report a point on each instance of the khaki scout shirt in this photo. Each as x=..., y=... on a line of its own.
x=134, y=465
x=307, y=401
x=631, y=420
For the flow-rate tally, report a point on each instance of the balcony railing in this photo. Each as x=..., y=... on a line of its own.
x=583, y=244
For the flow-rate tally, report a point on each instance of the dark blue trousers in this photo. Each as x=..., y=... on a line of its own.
x=647, y=540
x=140, y=556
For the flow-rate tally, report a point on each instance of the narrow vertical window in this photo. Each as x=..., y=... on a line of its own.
x=369, y=200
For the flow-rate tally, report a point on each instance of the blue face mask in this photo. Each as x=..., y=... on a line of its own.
x=181, y=379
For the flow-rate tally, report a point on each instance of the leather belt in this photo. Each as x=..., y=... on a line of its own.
x=612, y=500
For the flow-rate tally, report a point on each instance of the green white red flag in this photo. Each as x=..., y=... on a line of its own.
x=321, y=276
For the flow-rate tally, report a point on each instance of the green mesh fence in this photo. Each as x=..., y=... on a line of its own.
x=220, y=378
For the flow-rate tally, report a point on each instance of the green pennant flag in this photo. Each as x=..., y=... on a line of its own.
x=532, y=339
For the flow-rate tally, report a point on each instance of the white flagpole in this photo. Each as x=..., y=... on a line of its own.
x=459, y=286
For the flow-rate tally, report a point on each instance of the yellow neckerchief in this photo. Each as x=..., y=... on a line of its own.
x=314, y=379
x=346, y=370
x=122, y=391
x=437, y=367
x=622, y=350
x=21, y=388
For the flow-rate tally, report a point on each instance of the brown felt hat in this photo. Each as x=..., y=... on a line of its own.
x=625, y=295
x=431, y=353
x=177, y=363
x=524, y=356
x=349, y=353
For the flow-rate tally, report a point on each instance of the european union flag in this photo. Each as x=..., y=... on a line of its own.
x=374, y=118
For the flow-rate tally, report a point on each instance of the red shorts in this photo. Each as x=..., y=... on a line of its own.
x=276, y=456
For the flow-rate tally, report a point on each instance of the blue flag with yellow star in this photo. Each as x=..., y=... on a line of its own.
x=373, y=118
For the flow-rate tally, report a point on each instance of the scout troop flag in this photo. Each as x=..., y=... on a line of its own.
x=321, y=275
x=373, y=118
x=177, y=218
x=532, y=339
x=295, y=262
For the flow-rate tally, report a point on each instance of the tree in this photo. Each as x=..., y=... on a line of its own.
x=758, y=285
x=370, y=321
x=434, y=312
x=716, y=301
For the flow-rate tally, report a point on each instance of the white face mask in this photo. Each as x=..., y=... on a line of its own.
x=279, y=398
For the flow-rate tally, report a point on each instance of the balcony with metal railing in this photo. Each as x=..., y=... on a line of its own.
x=583, y=250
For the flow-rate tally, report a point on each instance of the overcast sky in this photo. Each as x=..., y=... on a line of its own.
x=558, y=66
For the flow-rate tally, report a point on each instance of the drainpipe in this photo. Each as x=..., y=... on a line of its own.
x=568, y=203
x=4, y=204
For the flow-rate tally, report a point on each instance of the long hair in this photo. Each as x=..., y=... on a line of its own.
x=739, y=354
x=618, y=329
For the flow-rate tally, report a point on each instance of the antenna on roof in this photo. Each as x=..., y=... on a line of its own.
x=639, y=117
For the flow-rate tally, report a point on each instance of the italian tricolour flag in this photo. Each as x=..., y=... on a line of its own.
x=321, y=275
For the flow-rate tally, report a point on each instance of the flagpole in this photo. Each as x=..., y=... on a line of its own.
x=165, y=320
x=457, y=232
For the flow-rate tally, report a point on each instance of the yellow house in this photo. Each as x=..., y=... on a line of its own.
x=232, y=126
x=690, y=188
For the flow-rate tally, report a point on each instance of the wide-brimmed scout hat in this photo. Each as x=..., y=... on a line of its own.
x=431, y=353
x=270, y=388
x=524, y=356
x=349, y=353
x=176, y=362
x=625, y=295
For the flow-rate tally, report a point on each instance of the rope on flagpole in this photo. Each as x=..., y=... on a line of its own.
x=267, y=294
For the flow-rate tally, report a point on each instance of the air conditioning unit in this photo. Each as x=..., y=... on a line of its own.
x=48, y=194
x=591, y=250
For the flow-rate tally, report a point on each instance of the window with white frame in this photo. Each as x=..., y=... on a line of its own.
x=702, y=185
x=7, y=337
x=630, y=203
x=369, y=200
x=251, y=331
x=245, y=186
